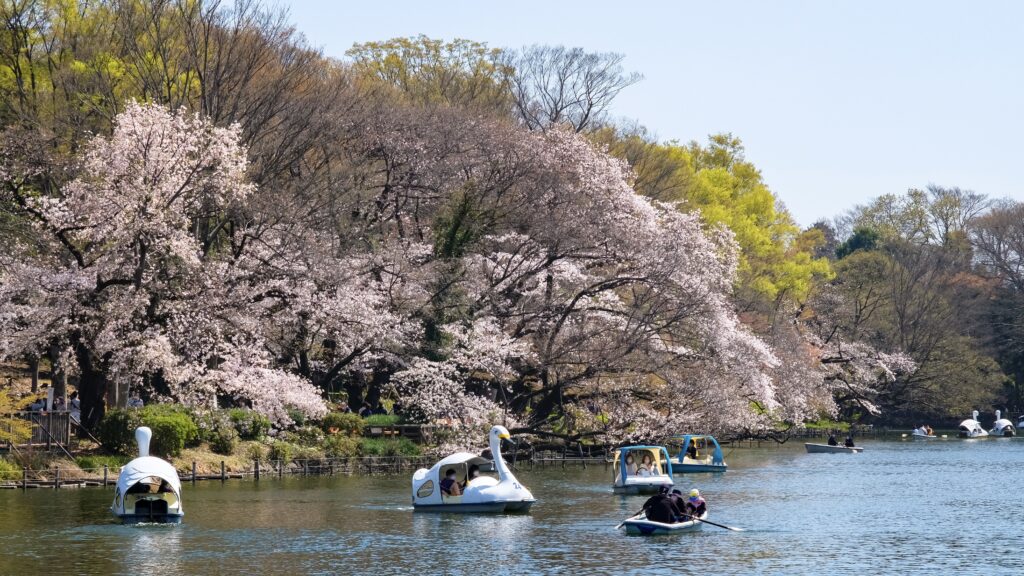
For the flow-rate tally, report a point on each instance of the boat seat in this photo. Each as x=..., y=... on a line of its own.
x=148, y=507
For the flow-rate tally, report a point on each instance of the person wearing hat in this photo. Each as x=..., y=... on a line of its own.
x=661, y=508
x=695, y=504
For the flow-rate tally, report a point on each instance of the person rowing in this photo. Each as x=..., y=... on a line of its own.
x=661, y=508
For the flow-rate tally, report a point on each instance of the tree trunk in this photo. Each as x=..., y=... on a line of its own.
x=58, y=376
x=33, y=367
x=92, y=388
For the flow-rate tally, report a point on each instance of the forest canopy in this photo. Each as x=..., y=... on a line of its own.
x=198, y=205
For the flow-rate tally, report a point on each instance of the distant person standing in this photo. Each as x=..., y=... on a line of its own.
x=135, y=401
x=76, y=407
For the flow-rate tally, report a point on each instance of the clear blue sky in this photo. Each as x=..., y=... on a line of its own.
x=836, y=101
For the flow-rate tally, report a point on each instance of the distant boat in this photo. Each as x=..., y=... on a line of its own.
x=1002, y=427
x=922, y=434
x=483, y=493
x=826, y=448
x=971, y=428
x=641, y=526
x=148, y=488
x=629, y=474
x=708, y=455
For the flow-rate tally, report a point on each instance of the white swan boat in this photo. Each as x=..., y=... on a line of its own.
x=1002, y=427
x=971, y=428
x=148, y=488
x=639, y=525
x=479, y=494
x=641, y=469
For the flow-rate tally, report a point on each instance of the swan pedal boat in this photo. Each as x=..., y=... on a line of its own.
x=971, y=428
x=1002, y=427
x=825, y=448
x=483, y=494
x=713, y=462
x=148, y=488
x=639, y=525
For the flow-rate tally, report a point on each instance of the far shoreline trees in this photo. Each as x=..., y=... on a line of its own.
x=455, y=227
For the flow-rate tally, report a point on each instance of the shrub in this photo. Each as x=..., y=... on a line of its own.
x=210, y=422
x=382, y=420
x=249, y=424
x=341, y=446
x=224, y=441
x=388, y=447
x=281, y=450
x=255, y=451
x=297, y=416
x=308, y=453
x=305, y=436
x=348, y=424
x=117, y=430
x=9, y=470
x=171, y=433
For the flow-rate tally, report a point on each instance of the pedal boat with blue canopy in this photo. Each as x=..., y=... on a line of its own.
x=148, y=488
x=639, y=525
x=709, y=455
x=483, y=494
x=632, y=478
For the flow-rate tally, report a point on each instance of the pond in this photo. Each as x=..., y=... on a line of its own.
x=908, y=507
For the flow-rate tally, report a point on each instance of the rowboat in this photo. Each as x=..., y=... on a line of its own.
x=639, y=525
x=640, y=469
x=825, y=448
x=699, y=453
x=922, y=433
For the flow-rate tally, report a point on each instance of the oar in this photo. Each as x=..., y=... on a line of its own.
x=635, y=514
x=714, y=524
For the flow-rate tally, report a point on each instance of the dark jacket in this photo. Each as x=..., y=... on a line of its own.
x=660, y=508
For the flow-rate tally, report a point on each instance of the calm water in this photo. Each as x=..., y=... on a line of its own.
x=900, y=507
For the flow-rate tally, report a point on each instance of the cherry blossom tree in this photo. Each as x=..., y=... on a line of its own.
x=141, y=276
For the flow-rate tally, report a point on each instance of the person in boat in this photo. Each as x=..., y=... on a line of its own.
x=691, y=450
x=647, y=467
x=695, y=504
x=450, y=486
x=848, y=442
x=630, y=465
x=928, y=430
x=677, y=498
x=474, y=473
x=661, y=508
x=832, y=440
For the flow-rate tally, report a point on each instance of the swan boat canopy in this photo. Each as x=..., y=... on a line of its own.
x=641, y=469
x=148, y=488
x=639, y=525
x=1002, y=427
x=971, y=428
x=709, y=455
x=479, y=494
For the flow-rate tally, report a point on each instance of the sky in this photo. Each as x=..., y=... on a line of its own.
x=837, y=102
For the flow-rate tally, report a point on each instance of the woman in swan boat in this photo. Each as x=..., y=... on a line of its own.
x=436, y=490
